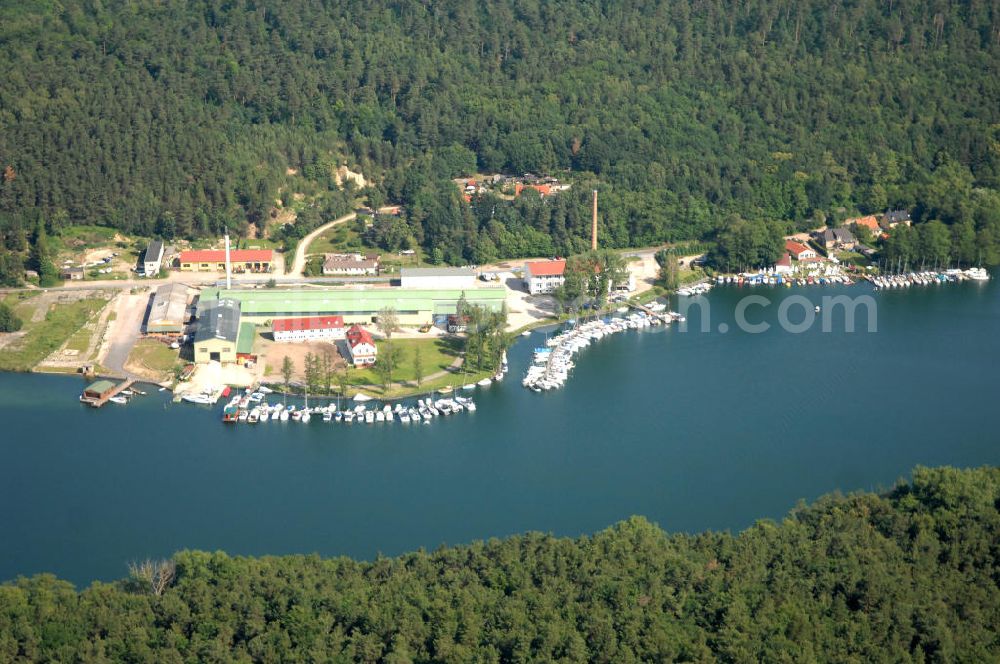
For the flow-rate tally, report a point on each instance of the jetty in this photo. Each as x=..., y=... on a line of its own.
x=99, y=393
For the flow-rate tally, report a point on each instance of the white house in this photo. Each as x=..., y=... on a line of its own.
x=784, y=265
x=315, y=328
x=544, y=276
x=352, y=265
x=361, y=346
x=152, y=258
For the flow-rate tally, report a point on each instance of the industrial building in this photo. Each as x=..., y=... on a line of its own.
x=414, y=306
x=437, y=277
x=313, y=328
x=214, y=260
x=168, y=312
x=218, y=332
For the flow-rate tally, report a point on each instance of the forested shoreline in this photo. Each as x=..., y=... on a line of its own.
x=906, y=576
x=185, y=119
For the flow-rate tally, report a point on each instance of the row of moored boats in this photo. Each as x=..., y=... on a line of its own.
x=243, y=408
x=926, y=278
x=553, y=363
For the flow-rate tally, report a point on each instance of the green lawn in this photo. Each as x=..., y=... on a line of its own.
x=63, y=321
x=437, y=354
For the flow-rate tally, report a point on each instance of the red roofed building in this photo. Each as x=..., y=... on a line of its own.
x=869, y=222
x=544, y=276
x=784, y=265
x=542, y=189
x=799, y=251
x=308, y=329
x=361, y=345
x=214, y=260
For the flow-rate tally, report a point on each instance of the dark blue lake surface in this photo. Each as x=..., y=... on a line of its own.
x=692, y=430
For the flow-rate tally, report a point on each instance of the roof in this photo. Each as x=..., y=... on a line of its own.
x=542, y=189
x=349, y=262
x=99, y=387
x=244, y=342
x=868, y=222
x=553, y=268
x=235, y=255
x=169, y=305
x=795, y=247
x=359, y=335
x=282, y=303
x=894, y=216
x=220, y=320
x=785, y=261
x=154, y=251
x=436, y=272
x=311, y=323
x=843, y=235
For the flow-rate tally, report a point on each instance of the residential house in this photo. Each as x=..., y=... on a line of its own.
x=152, y=258
x=314, y=328
x=542, y=189
x=799, y=251
x=544, y=276
x=893, y=218
x=72, y=274
x=784, y=265
x=361, y=346
x=833, y=239
x=350, y=265
x=869, y=222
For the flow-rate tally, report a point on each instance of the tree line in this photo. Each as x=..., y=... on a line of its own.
x=189, y=119
x=905, y=576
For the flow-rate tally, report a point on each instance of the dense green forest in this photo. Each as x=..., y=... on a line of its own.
x=184, y=118
x=909, y=576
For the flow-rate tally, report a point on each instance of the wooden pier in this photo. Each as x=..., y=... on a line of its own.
x=98, y=400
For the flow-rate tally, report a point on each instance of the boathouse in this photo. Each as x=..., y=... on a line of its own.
x=99, y=390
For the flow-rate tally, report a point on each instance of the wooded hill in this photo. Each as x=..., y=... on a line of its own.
x=909, y=576
x=182, y=118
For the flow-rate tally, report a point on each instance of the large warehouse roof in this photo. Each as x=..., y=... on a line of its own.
x=220, y=320
x=344, y=301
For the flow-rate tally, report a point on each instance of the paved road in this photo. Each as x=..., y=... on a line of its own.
x=124, y=330
x=299, y=264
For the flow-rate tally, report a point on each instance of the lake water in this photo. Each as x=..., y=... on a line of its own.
x=692, y=430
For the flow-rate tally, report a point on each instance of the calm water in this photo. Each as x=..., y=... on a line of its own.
x=692, y=430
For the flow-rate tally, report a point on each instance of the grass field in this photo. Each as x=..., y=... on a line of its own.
x=153, y=356
x=43, y=337
x=436, y=355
